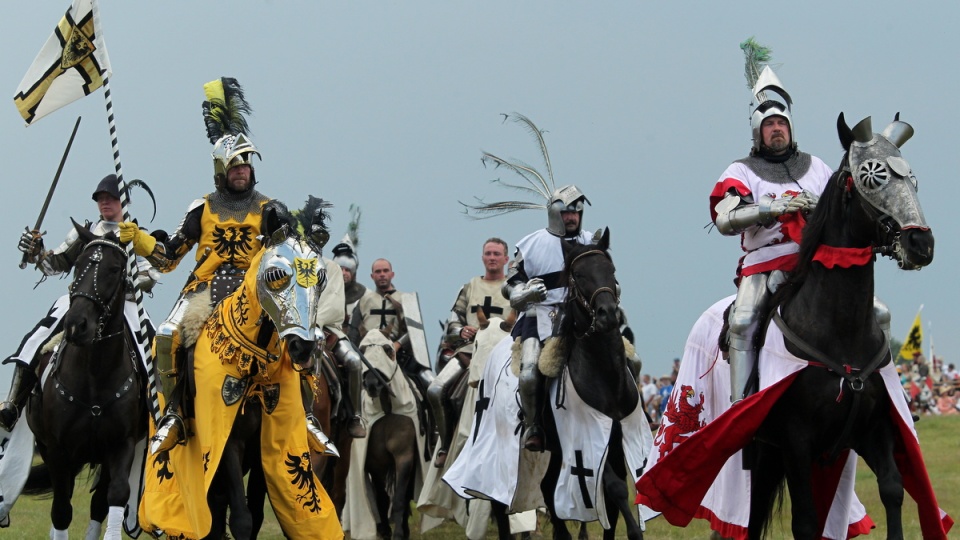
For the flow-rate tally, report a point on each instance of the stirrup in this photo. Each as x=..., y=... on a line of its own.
x=356, y=427
x=533, y=439
x=9, y=414
x=318, y=440
x=169, y=434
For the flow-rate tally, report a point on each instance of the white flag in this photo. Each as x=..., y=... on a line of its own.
x=70, y=65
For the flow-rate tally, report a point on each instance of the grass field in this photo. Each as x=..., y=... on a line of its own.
x=939, y=439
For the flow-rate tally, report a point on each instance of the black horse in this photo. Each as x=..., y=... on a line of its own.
x=91, y=409
x=826, y=312
x=596, y=362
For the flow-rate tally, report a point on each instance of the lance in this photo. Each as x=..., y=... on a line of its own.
x=53, y=186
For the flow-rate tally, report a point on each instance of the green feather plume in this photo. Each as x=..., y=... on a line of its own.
x=755, y=56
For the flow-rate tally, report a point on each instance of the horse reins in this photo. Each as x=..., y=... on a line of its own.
x=101, y=303
x=578, y=295
x=854, y=377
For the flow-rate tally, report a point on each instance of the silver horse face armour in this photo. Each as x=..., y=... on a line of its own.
x=569, y=198
x=290, y=279
x=769, y=99
x=881, y=175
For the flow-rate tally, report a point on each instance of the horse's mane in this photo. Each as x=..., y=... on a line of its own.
x=829, y=211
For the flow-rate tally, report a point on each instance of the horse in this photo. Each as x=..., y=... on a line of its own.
x=594, y=354
x=827, y=384
x=91, y=409
x=332, y=470
x=248, y=408
x=826, y=316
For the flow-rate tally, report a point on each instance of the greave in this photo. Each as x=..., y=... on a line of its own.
x=530, y=381
x=21, y=386
x=436, y=395
x=751, y=298
x=355, y=389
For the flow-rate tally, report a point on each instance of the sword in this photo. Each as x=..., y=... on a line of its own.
x=53, y=187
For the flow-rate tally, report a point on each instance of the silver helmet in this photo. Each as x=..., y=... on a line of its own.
x=345, y=253
x=769, y=99
x=568, y=198
x=230, y=151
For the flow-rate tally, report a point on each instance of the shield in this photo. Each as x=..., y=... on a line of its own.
x=414, y=322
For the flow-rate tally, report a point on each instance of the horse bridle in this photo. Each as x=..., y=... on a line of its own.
x=577, y=295
x=101, y=302
x=888, y=240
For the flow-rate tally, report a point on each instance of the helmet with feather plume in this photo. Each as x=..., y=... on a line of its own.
x=567, y=198
x=345, y=253
x=311, y=221
x=227, y=129
x=768, y=97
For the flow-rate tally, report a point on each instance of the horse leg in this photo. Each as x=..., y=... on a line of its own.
x=405, y=467
x=615, y=489
x=499, y=511
x=766, y=479
x=256, y=489
x=63, y=477
x=877, y=452
x=98, y=507
x=805, y=523
x=116, y=469
x=378, y=461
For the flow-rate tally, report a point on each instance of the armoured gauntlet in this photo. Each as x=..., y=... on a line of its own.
x=31, y=244
x=528, y=293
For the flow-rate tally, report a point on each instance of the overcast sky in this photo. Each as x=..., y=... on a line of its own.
x=388, y=105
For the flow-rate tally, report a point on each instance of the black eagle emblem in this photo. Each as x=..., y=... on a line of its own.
x=231, y=242
x=163, y=469
x=301, y=476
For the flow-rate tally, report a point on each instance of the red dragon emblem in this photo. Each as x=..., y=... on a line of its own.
x=680, y=420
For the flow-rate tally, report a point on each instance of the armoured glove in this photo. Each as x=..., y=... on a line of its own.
x=530, y=292
x=143, y=243
x=805, y=202
x=31, y=244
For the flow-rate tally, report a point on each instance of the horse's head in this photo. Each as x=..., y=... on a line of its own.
x=375, y=382
x=290, y=278
x=97, y=291
x=878, y=176
x=592, y=289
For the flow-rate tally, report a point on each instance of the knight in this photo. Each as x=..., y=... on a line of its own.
x=58, y=261
x=225, y=225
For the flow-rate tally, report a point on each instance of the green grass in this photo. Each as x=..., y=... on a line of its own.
x=939, y=439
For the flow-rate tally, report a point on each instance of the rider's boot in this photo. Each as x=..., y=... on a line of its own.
x=170, y=432
x=356, y=427
x=317, y=439
x=531, y=387
x=22, y=384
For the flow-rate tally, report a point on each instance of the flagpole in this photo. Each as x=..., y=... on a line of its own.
x=143, y=338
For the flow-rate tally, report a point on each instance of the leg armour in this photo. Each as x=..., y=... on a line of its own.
x=22, y=384
x=751, y=297
x=531, y=381
x=350, y=358
x=882, y=313
x=437, y=395
x=166, y=343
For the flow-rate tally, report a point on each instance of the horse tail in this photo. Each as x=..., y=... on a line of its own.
x=774, y=505
x=39, y=482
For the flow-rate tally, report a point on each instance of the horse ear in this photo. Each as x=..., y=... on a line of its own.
x=482, y=319
x=85, y=234
x=844, y=132
x=604, y=242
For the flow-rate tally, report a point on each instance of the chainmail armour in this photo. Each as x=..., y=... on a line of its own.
x=236, y=206
x=785, y=172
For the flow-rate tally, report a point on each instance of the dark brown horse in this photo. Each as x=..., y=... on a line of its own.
x=91, y=409
x=332, y=470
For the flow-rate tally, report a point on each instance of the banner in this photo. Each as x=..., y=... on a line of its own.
x=71, y=65
x=913, y=342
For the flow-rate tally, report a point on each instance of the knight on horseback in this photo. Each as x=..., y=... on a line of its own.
x=225, y=225
x=55, y=262
x=480, y=294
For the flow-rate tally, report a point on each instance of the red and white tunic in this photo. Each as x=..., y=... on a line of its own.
x=767, y=248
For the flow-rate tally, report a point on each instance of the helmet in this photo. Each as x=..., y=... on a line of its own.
x=345, y=256
x=108, y=185
x=569, y=198
x=769, y=99
x=230, y=151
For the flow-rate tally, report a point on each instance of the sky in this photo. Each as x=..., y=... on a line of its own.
x=388, y=105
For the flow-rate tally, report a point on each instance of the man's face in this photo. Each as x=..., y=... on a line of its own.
x=238, y=178
x=347, y=274
x=382, y=275
x=494, y=257
x=571, y=221
x=109, y=207
x=775, y=134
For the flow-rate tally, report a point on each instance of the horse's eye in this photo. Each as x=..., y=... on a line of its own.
x=913, y=180
x=276, y=278
x=873, y=174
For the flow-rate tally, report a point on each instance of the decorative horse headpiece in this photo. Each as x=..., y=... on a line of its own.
x=290, y=279
x=882, y=177
x=568, y=198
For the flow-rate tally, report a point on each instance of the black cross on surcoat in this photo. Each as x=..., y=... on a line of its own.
x=383, y=312
x=582, y=473
x=482, y=404
x=487, y=307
